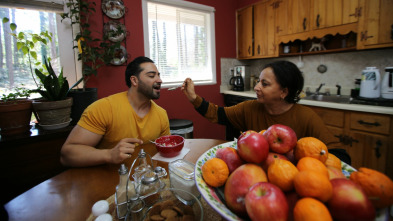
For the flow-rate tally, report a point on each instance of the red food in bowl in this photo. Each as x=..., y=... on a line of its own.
x=170, y=145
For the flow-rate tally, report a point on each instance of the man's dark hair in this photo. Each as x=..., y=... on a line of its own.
x=288, y=76
x=134, y=68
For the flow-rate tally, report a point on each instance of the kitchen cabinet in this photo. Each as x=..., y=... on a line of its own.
x=292, y=16
x=264, y=37
x=244, y=32
x=375, y=24
x=255, y=31
x=368, y=138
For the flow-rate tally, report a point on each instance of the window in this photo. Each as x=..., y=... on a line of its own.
x=34, y=16
x=179, y=38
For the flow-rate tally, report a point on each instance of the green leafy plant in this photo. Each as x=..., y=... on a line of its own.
x=20, y=93
x=27, y=42
x=56, y=88
x=92, y=52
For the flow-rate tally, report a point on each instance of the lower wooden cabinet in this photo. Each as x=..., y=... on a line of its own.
x=367, y=137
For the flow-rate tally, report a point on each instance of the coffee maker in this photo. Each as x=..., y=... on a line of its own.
x=240, y=80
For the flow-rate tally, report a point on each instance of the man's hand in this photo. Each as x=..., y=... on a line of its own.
x=124, y=149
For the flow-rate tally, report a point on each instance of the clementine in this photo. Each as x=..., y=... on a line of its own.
x=309, y=163
x=377, y=186
x=333, y=161
x=309, y=209
x=215, y=172
x=313, y=184
x=282, y=173
x=311, y=147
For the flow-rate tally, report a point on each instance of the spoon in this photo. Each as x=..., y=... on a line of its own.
x=153, y=142
x=174, y=88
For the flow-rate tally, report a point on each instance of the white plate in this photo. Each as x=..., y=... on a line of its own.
x=113, y=8
x=120, y=56
x=55, y=126
x=215, y=196
x=115, y=31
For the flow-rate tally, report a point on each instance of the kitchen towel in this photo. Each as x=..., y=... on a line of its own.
x=183, y=152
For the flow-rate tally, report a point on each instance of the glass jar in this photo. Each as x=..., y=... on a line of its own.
x=181, y=175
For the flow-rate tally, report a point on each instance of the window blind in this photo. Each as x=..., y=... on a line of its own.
x=179, y=42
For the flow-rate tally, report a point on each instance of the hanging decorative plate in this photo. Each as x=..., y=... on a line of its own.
x=115, y=31
x=113, y=8
x=119, y=56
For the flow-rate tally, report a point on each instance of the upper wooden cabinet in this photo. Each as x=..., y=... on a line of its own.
x=244, y=30
x=375, y=24
x=264, y=38
x=255, y=31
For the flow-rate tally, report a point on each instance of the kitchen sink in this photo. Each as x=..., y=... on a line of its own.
x=343, y=99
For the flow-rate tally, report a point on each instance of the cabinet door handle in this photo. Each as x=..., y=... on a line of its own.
x=377, y=148
x=304, y=24
x=318, y=20
x=346, y=140
x=259, y=49
x=249, y=50
x=368, y=123
x=355, y=14
x=278, y=29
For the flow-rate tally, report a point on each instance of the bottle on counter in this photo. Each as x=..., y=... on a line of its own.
x=121, y=196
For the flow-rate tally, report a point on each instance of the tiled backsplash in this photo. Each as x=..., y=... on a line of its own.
x=342, y=68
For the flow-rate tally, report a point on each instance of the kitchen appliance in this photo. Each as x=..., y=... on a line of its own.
x=387, y=84
x=237, y=82
x=370, y=85
x=244, y=73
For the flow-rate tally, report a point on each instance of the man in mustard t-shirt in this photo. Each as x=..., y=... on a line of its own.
x=111, y=127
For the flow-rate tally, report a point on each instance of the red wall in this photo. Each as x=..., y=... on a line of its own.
x=110, y=79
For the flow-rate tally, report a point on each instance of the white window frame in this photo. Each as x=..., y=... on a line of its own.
x=72, y=68
x=211, y=33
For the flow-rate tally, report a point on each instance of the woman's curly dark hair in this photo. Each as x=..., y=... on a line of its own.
x=288, y=76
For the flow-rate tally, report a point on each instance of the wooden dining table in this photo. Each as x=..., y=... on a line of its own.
x=71, y=194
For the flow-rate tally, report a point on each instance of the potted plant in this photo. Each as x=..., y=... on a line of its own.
x=92, y=52
x=53, y=110
x=15, y=112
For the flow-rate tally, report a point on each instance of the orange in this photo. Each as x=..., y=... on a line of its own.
x=333, y=161
x=262, y=131
x=309, y=163
x=215, y=172
x=282, y=173
x=312, y=184
x=377, y=186
x=311, y=147
x=309, y=209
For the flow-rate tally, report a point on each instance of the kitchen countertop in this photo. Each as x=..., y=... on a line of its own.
x=351, y=107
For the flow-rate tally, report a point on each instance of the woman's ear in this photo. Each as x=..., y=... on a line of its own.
x=284, y=93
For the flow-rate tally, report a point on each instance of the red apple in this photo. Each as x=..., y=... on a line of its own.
x=238, y=184
x=265, y=201
x=245, y=133
x=349, y=202
x=271, y=157
x=281, y=138
x=291, y=156
x=231, y=157
x=253, y=147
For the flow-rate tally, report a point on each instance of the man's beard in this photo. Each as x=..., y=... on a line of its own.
x=147, y=91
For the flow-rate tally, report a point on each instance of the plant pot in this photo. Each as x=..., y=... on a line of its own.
x=15, y=117
x=52, y=112
x=81, y=100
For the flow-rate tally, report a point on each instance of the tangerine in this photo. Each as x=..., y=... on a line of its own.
x=309, y=163
x=282, y=173
x=313, y=184
x=215, y=172
x=311, y=147
x=308, y=209
x=333, y=161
